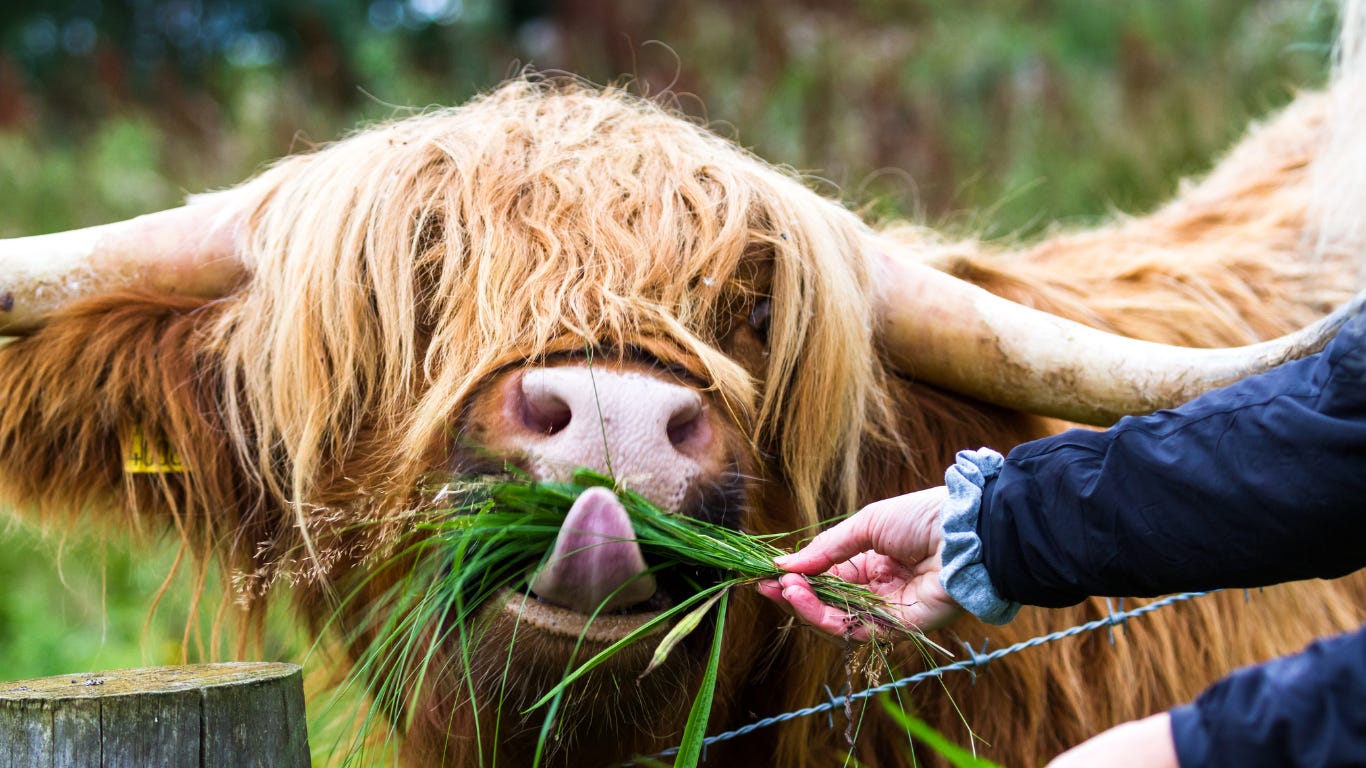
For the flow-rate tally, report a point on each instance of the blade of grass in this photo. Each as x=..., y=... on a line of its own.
x=695, y=732
x=634, y=636
x=682, y=629
x=956, y=755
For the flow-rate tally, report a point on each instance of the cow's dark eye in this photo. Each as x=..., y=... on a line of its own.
x=760, y=316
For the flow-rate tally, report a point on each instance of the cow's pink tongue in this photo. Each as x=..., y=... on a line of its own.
x=594, y=556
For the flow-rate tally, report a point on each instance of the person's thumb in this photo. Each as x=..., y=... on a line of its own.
x=829, y=547
x=902, y=527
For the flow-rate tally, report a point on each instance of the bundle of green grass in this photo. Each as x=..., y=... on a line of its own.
x=498, y=531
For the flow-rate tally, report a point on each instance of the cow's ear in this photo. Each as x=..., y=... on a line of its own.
x=100, y=409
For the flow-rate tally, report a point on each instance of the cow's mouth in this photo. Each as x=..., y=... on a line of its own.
x=533, y=612
x=598, y=587
x=540, y=615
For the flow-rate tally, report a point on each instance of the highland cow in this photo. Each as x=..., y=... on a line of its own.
x=423, y=296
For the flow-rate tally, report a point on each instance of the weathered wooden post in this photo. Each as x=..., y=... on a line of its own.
x=231, y=715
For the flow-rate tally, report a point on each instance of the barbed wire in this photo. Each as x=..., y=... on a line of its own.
x=975, y=660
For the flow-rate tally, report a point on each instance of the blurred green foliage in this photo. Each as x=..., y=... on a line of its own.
x=79, y=601
x=1000, y=117
x=78, y=605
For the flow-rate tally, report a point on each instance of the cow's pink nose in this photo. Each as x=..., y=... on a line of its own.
x=552, y=404
x=653, y=435
x=583, y=404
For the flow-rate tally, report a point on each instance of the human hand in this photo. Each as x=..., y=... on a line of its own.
x=1145, y=743
x=892, y=546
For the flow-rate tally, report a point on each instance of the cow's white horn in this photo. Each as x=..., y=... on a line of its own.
x=947, y=332
x=191, y=250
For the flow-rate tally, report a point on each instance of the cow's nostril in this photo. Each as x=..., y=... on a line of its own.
x=628, y=424
x=544, y=412
x=685, y=424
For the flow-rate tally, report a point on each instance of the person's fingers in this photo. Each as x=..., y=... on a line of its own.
x=771, y=589
x=904, y=527
x=809, y=608
x=919, y=605
x=916, y=599
x=831, y=546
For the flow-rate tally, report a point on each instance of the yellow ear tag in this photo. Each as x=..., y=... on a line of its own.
x=143, y=455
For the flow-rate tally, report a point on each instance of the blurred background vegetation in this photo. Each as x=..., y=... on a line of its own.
x=1000, y=117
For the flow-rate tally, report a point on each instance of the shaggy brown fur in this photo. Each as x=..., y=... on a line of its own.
x=398, y=272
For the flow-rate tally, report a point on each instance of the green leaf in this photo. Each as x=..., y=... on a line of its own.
x=695, y=732
x=634, y=636
x=587, y=478
x=917, y=728
x=681, y=630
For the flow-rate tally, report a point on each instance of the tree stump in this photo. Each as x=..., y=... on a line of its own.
x=202, y=716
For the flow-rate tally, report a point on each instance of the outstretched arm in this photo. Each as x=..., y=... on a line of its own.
x=1257, y=483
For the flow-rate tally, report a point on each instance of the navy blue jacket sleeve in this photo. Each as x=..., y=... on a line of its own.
x=1260, y=482
x=1301, y=710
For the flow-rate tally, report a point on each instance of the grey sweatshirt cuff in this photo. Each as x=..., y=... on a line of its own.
x=964, y=576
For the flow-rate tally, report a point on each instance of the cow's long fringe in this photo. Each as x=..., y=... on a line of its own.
x=544, y=218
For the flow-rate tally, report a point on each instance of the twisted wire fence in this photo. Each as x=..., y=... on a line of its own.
x=975, y=660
